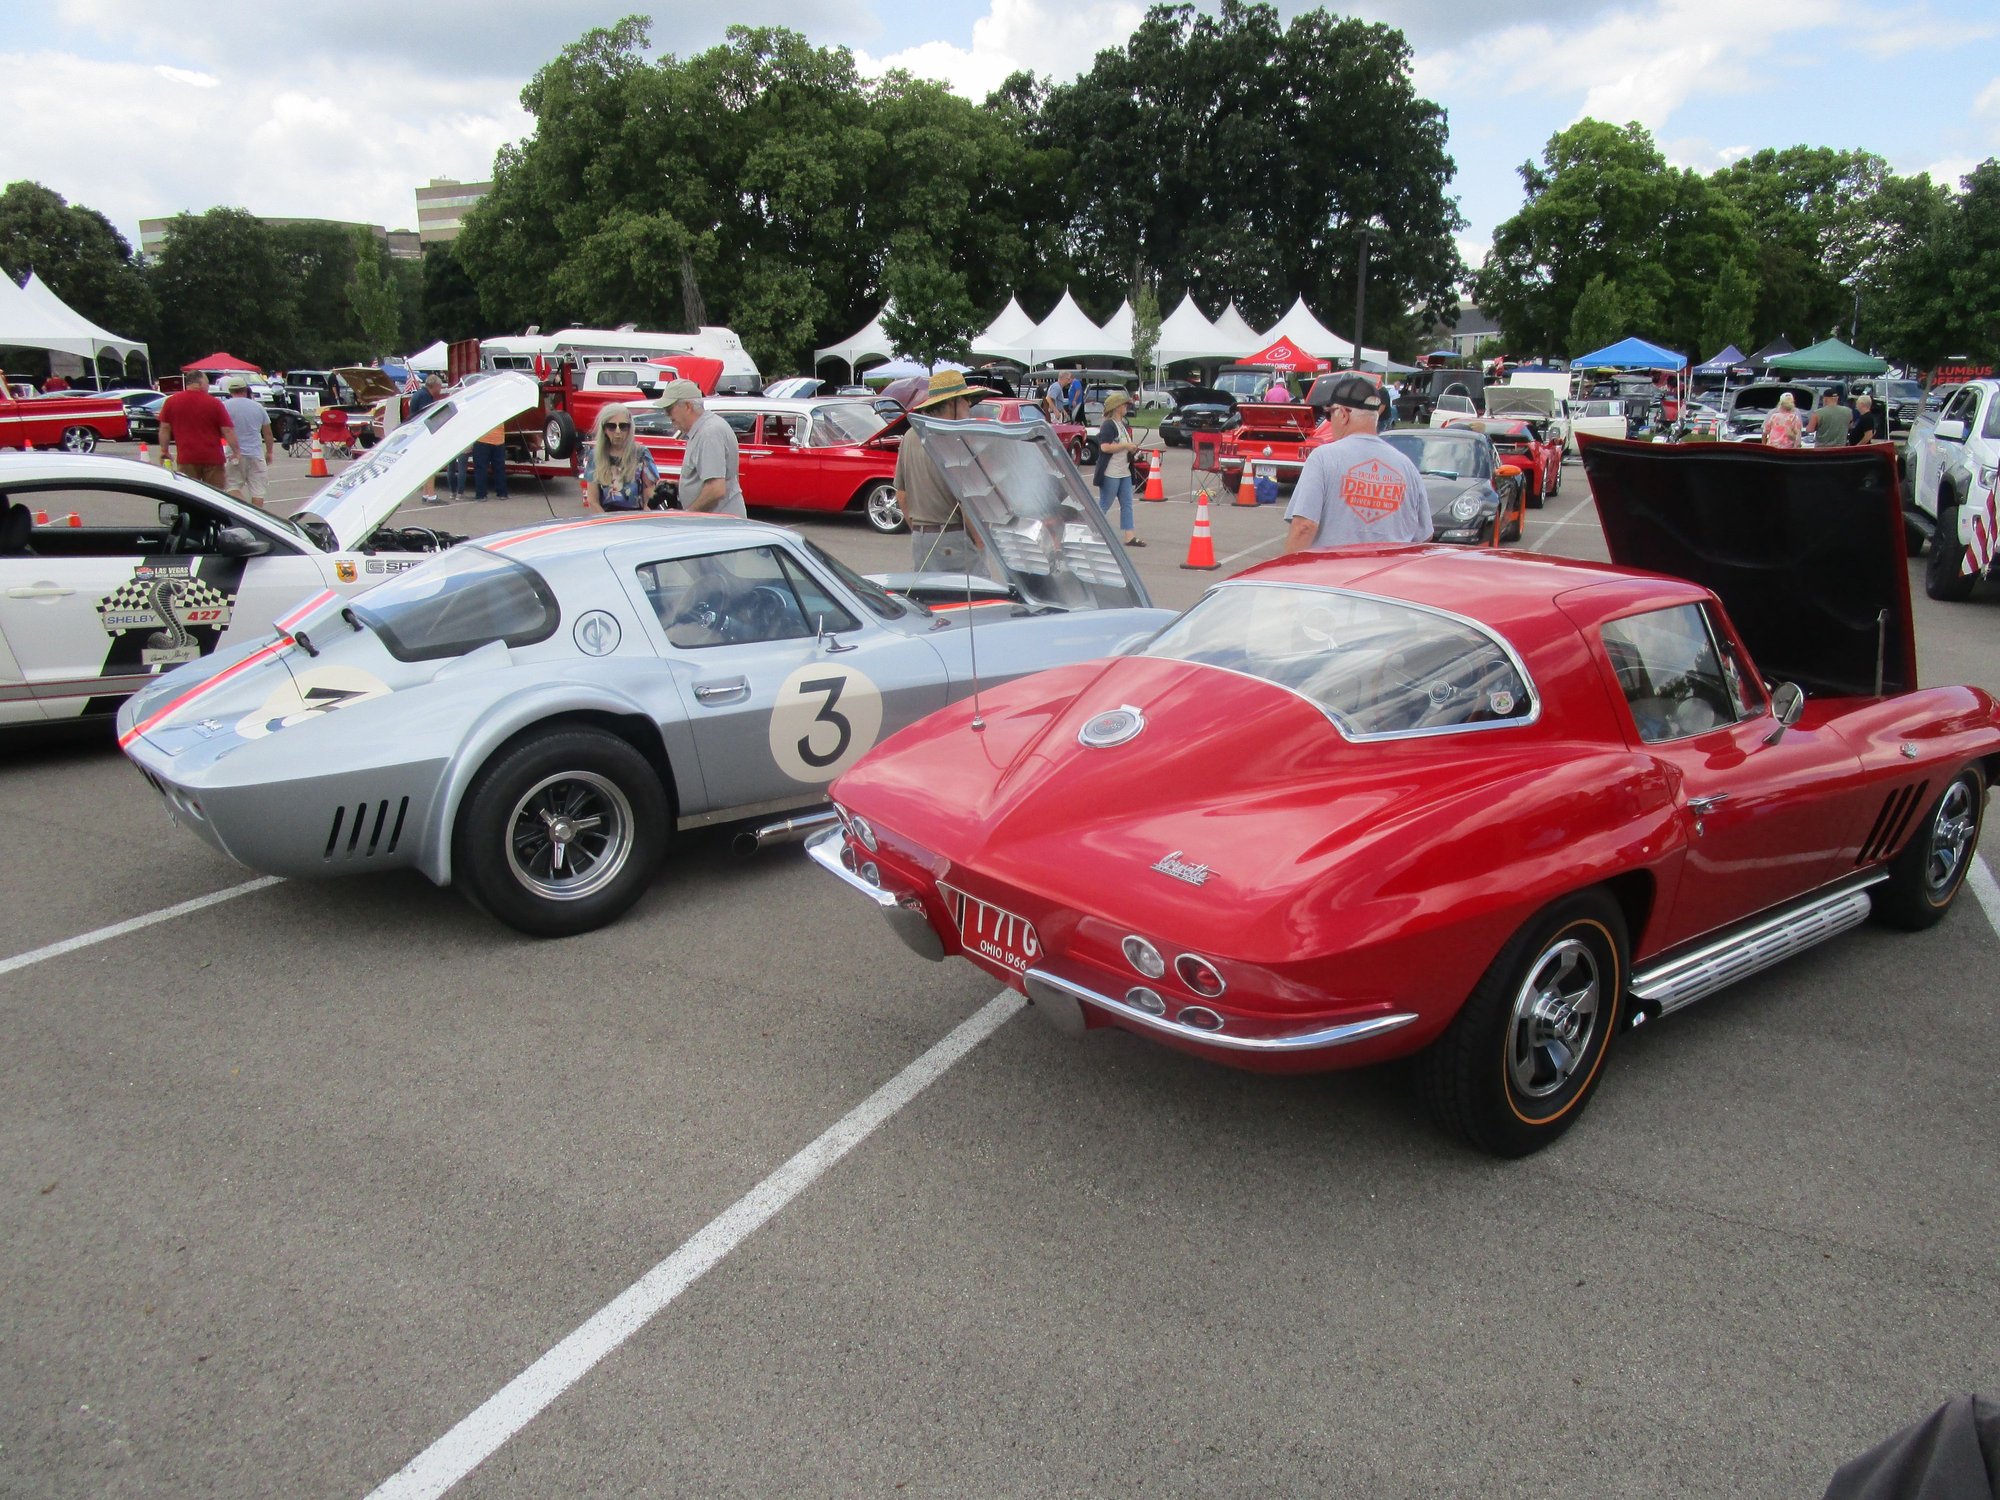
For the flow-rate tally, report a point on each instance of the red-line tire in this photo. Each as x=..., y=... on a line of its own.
x=1521, y=1059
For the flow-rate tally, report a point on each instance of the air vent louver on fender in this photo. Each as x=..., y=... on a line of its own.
x=364, y=825
x=1892, y=822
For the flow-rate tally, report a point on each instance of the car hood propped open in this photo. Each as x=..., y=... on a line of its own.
x=1039, y=530
x=366, y=493
x=1520, y=401
x=1805, y=549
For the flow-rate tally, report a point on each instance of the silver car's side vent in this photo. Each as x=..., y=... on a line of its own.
x=366, y=820
x=1891, y=822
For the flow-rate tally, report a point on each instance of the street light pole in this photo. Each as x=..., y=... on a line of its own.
x=1360, y=292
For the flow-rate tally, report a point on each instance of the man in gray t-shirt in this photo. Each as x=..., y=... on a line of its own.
x=1356, y=488
x=1830, y=422
x=709, y=460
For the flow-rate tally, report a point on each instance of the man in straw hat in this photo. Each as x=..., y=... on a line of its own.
x=937, y=531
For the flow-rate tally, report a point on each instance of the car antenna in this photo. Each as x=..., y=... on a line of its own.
x=972, y=646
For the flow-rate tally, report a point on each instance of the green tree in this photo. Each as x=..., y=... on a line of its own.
x=1603, y=203
x=1908, y=302
x=450, y=299
x=84, y=260
x=1146, y=325
x=1604, y=313
x=373, y=297
x=930, y=317
x=223, y=284
x=1814, y=224
x=1727, y=313
x=1238, y=156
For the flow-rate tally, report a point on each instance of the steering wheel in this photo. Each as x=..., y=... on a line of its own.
x=177, y=534
x=763, y=613
x=707, y=606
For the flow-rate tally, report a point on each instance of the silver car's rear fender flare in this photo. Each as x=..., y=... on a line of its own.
x=520, y=712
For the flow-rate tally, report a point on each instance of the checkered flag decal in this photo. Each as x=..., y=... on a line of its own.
x=136, y=594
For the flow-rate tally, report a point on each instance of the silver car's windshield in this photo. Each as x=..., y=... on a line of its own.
x=1376, y=666
x=466, y=598
x=1451, y=455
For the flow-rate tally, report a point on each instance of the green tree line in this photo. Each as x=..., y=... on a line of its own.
x=1802, y=242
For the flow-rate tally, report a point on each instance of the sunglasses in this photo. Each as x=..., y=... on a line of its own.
x=617, y=426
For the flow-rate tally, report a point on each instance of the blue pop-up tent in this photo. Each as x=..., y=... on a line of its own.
x=1631, y=354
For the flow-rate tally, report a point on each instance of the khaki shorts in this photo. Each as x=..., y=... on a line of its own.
x=208, y=474
x=248, y=475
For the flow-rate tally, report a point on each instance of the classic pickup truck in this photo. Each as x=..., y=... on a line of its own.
x=1954, y=463
x=76, y=423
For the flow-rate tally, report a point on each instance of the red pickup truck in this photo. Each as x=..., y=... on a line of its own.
x=73, y=422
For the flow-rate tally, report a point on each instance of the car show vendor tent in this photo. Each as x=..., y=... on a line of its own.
x=436, y=360
x=1728, y=358
x=221, y=364
x=34, y=317
x=1630, y=354
x=872, y=340
x=1764, y=356
x=1829, y=357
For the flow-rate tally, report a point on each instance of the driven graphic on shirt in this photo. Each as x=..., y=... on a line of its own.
x=1372, y=490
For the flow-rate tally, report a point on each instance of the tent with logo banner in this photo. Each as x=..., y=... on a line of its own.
x=1728, y=358
x=1829, y=357
x=1283, y=354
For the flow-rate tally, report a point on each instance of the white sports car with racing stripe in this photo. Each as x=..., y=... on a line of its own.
x=113, y=572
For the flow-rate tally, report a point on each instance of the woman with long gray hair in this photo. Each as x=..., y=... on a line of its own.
x=622, y=474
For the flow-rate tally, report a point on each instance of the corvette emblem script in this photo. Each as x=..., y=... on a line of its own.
x=1180, y=869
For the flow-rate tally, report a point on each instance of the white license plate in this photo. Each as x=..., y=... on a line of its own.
x=1264, y=471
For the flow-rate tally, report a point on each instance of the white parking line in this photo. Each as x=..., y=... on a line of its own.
x=1268, y=542
x=1547, y=528
x=473, y=1440
x=133, y=924
x=1985, y=889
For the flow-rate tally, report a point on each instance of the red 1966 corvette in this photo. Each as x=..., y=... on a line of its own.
x=1485, y=807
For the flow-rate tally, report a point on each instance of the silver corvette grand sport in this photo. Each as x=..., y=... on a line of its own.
x=531, y=716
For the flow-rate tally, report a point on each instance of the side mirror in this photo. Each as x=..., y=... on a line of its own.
x=1951, y=432
x=169, y=513
x=1787, y=703
x=1507, y=471
x=241, y=541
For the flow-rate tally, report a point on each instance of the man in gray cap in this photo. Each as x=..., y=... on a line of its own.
x=249, y=466
x=709, y=459
x=1356, y=488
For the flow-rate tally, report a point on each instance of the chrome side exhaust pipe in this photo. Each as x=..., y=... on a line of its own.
x=789, y=831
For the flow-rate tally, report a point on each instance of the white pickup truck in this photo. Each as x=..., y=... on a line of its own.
x=1954, y=459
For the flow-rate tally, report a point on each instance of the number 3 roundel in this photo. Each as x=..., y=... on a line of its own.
x=825, y=719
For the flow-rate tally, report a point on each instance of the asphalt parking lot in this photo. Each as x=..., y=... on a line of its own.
x=298, y=1182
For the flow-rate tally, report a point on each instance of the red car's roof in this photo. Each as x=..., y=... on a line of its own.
x=1504, y=590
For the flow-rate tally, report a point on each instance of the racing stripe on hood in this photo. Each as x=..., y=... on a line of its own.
x=514, y=539
x=202, y=688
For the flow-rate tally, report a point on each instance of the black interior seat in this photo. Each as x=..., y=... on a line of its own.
x=17, y=525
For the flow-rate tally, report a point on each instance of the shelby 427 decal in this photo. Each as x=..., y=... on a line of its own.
x=164, y=614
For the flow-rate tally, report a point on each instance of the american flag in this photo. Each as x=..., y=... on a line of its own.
x=1985, y=524
x=412, y=384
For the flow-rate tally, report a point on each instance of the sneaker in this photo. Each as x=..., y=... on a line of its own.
x=433, y=500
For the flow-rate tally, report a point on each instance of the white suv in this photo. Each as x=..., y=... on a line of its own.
x=1954, y=459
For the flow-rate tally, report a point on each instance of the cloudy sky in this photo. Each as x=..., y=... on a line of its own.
x=142, y=109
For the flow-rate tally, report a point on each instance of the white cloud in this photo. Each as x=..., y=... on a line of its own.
x=315, y=139
x=1988, y=100
x=188, y=76
x=1046, y=37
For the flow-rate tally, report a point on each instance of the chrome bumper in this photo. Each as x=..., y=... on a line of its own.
x=1057, y=997
x=908, y=922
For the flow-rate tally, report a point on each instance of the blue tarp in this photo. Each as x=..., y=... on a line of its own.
x=1729, y=359
x=1631, y=354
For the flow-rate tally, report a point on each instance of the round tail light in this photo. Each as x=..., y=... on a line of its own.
x=1199, y=975
x=1144, y=957
x=1141, y=998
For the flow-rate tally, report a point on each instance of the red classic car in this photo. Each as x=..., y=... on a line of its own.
x=1527, y=446
x=1484, y=807
x=1273, y=439
x=832, y=453
x=73, y=421
x=1072, y=435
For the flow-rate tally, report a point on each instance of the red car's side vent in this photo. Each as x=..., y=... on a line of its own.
x=1891, y=822
x=365, y=820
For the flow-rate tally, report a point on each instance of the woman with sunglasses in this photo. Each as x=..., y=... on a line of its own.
x=621, y=474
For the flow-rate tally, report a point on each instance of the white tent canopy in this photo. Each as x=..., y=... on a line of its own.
x=1185, y=333
x=871, y=340
x=434, y=359
x=1118, y=330
x=33, y=317
x=1235, y=336
x=1303, y=329
x=1003, y=336
x=1068, y=333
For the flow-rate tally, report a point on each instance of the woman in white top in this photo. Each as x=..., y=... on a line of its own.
x=1114, y=464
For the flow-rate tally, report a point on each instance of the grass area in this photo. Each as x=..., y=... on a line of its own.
x=1149, y=419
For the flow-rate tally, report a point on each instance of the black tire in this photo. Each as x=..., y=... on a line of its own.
x=558, y=435
x=1943, y=578
x=1535, y=500
x=1926, y=877
x=78, y=440
x=511, y=868
x=1519, y=1062
x=883, y=507
x=1557, y=487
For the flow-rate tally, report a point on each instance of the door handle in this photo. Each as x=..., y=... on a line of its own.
x=722, y=692
x=40, y=591
x=1700, y=805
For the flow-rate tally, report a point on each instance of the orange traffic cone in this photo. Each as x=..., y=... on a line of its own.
x=317, y=468
x=1156, y=484
x=1201, y=546
x=145, y=453
x=72, y=519
x=1246, y=489
x=41, y=518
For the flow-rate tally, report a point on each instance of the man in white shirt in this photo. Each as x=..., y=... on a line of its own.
x=1356, y=488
